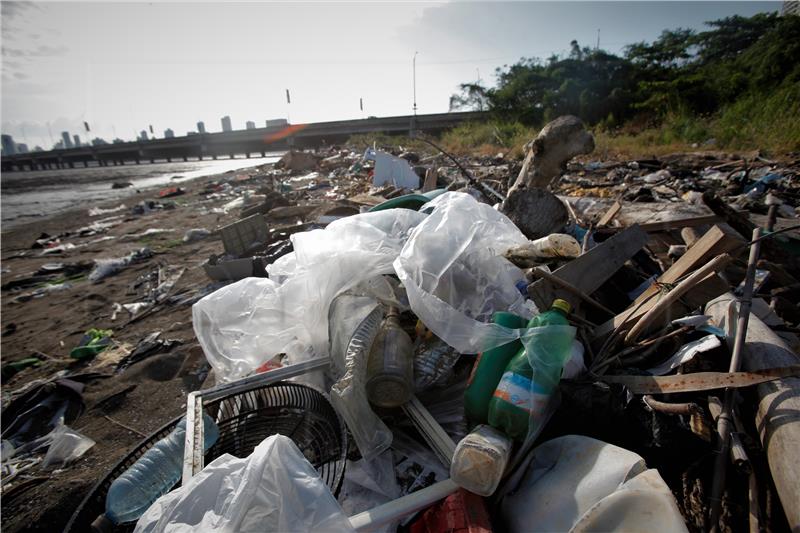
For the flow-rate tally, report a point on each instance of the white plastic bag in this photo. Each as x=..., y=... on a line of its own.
x=244, y=324
x=274, y=489
x=455, y=275
x=66, y=446
x=577, y=483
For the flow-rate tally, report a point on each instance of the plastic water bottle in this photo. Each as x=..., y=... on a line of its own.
x=153, y=474
x=524, y=390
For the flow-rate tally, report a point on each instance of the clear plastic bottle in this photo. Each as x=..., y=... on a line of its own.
x=390, y=368
x=524, y=390
x=152, y=475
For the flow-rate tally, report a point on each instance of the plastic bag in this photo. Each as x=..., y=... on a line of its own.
x=455, y=276
x=351, y=350
x=244, y=324
x=274, y=489
x=368, y=484
x=577, y=483
x=548, y=349
x=67, y=445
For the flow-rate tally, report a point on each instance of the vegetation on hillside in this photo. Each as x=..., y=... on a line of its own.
x=735, y=85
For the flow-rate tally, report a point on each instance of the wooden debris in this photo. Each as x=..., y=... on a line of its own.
x=589, y=271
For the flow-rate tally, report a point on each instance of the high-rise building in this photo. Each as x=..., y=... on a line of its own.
x=201, y=127
x=66, y=139
x=77, y=139
x=97, y=141
x=250, y=125
x=168, y=133
x=22, y=148
x=143, y=135
x=226, y=123
x=9, y=148
x=790, y=7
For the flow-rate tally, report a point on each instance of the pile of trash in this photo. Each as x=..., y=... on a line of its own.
x=421, y=343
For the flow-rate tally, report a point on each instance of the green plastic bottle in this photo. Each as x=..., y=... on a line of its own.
x=488, y=369
x=523, y=390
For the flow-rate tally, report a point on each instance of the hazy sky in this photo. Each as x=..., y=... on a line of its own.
x=123, y=66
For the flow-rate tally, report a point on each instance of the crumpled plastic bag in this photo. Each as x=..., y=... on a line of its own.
x=67, y=446
x=274, y=489
x=355, y=322
x=455, y=275
x=577, y=483
x=244, y=324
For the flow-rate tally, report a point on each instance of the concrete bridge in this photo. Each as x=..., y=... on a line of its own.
x=234, y=143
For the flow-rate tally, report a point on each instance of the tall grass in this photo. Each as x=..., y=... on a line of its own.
x=753, y=122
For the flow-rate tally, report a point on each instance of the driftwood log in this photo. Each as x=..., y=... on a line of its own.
x=536, y=211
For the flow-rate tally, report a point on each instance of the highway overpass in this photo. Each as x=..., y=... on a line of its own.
x=233, y=143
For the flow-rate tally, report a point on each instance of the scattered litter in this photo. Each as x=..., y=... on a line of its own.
x=97, y=211
x=108, y=267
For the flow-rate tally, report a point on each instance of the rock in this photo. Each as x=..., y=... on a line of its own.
x=536, y=212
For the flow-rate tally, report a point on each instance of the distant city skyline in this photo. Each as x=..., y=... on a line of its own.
x=124, y=66
x=69, y=140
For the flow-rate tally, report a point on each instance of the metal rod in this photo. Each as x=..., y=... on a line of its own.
x=724, y=422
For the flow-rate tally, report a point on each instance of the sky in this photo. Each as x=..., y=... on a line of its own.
x=123, y=66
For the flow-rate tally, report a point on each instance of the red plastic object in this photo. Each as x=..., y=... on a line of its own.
x=462, y=512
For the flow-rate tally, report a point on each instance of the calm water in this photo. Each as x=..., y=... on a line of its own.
x=30, y=195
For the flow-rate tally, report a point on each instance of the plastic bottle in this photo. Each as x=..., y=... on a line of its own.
x=524, y=390
x=390, y=368
x=488, y=369
x=151, y=476
x=480, y=460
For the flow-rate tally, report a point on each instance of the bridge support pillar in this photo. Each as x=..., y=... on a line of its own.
x=263, y=154
x=214, y=157
x=185, y=158
x=138, y=161
x=152, y=160
x=85, y=163
x=169, y=160
x=248, y=155
x=230, y=156
x=71, y=164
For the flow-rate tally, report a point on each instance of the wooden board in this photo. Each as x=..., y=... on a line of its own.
x=609, y=215
x=719, y=239
x=589, y=271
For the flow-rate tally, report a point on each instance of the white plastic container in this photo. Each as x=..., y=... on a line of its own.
x=480, y=460
x=556, y=245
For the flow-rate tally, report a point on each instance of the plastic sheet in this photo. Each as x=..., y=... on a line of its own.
x=274, y=489
x=455, y=276
x=368, y=484
x=577, y=483
x=248, y=322
x=350, y=346
x=67, y=446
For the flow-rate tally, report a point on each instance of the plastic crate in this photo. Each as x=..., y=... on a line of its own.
x=244, y=234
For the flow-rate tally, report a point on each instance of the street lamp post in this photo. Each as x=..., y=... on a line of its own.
x=414, y=74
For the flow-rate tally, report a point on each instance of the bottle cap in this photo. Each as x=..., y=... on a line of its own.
x=562, y=305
